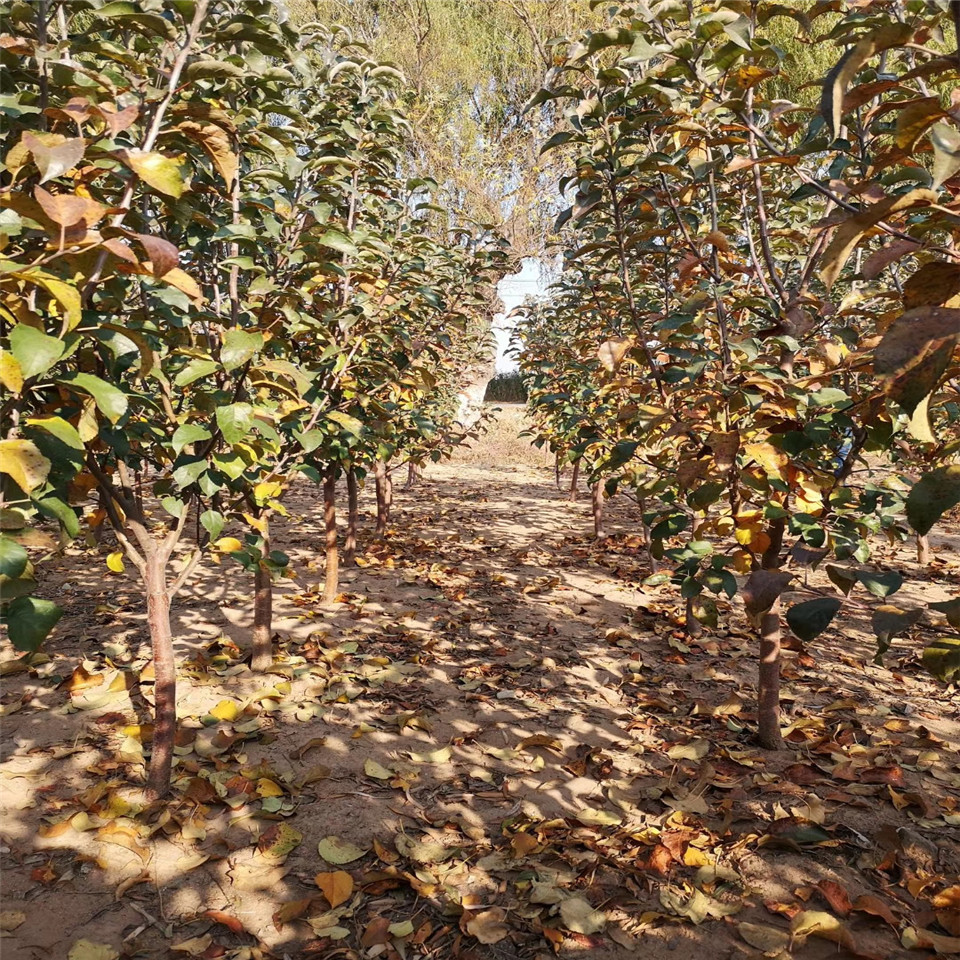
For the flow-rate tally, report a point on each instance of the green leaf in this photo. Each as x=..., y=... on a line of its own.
x=188, y=433
x=932, y=496
x=194, y=370
x=338, y=240
x=350, y=424
x=946, y=152
x=950, y=609
x=235, y=421
x=133, y=13
x=213, y=522
x=34, y=351
x=942, y=659
x=880, y=584
x=60, y=510
x=13, y=558
x=62, y=429
x=209, y=68
x=111, y=401
x=189, y=471
x=239, y=347
x=810, y=618
x=843, y=580
x=29, y=621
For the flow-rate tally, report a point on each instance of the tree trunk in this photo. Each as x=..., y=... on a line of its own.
x=768, y=685
x=353, y=516
x=923, y=550
x=574, y=480
x=384, y=497
x=413, y=475
x=596, y=498
x=262, y=658
x=331, y=586
x=165, y=672
x=692, y=626
x=645, y=533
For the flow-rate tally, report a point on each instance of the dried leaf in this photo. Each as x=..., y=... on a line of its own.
x=336, y=886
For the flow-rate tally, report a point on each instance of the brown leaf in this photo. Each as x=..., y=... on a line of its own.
x=336, y=886
x=224, y=919
x=487, y=926
x=291, y=910
x=162, y=254
x=836, y=896
x=868, y=903
x=377, y=931
x=612, y=352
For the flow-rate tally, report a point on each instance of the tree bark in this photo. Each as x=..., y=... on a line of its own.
x=384, y=497
x=768, y=685
x=331, y=586
x=165, y=672
x=692, y=626
x=263, y=611
x=353, y=517
x=596, y=498
x=574, y=481
x=413, y=475
x=923, y=550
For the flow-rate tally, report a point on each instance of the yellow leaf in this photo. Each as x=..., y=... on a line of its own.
x=336, y=886
x=772, y=459
x=226, y=710
x=268, y=788
x=10, y=374
x=267, y=491
x=157, y=170
x=228, y=545
x=184, y=282
x=115, y=562
x=67, y=296
x=695, y=857
x=24, y=463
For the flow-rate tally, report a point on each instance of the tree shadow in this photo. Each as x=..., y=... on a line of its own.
x=498, y=705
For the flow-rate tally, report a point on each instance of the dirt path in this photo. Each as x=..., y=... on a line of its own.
x=506, y=730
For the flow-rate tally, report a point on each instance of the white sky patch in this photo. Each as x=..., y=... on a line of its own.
x=513, y=290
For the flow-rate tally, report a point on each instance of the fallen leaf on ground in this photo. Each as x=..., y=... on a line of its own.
x=336, y=886
x=577, y=915
x=337, y=851
x=488, y=926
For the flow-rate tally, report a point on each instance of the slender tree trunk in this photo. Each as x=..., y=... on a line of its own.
x=263, y=611
x=768, y=687
x=645, y=533
x=353, y=516
x=923, y=550
x=165, y=672
x=384, y=497
x=596, y=498
x=692, y=626
x=574, y=481
x=331, y=585
x=413, y=475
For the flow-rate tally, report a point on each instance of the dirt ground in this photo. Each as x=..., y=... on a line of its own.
x=498, y=744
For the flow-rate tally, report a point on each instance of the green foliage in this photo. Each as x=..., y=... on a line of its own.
x=506, y=388
x=760, y=282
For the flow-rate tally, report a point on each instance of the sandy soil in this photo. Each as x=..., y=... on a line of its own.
x=510, y=730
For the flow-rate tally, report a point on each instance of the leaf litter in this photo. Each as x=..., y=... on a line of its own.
x=379, y=795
